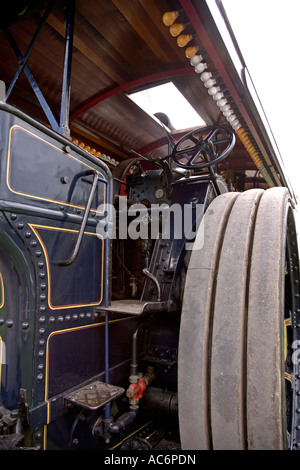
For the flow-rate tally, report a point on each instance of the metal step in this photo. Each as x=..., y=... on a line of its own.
x=134, y=307
x=94, y=395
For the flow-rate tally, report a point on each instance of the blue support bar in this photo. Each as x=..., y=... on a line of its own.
x=41, y=99
x=66, y=81
x=23, y=59
x=107, y=408
x=63, y=126
x=33, y=83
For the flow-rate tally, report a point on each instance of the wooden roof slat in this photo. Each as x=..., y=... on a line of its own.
x=86, y=50
x=141, y=22
x=119, y=35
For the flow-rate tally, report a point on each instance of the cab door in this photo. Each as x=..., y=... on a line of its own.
x=53, y=264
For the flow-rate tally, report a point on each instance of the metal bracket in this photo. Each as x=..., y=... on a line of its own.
x=63, y=126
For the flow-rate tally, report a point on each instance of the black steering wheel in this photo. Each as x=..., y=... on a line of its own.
x=203, y=147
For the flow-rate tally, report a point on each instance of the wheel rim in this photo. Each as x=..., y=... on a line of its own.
x=271, y=407
x=291, y=330
x=261, y=414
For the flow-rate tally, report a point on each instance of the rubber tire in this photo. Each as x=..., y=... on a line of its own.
x=226, y=398
x=195, y=328
x=266, y=420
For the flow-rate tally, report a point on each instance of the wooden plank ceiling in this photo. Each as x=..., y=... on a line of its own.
x=119, y=46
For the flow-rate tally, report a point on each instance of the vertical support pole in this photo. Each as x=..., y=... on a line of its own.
x=107, y=277
x=66, y=81
x=107, y=408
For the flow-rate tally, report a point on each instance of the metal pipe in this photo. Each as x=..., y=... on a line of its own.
x=134, y=364
x=66, y=80
x=107, y=428
x=83, y=223
x=153, y=279
x=161, y=402
x=122, y=422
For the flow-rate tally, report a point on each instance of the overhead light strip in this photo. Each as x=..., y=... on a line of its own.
x=216, y=91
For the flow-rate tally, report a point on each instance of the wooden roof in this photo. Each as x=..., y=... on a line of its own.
x=121, y=46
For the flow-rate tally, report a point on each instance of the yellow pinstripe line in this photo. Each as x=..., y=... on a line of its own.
x=59, y=150
x=58, y=332
x=34, y=228
x=2, y=291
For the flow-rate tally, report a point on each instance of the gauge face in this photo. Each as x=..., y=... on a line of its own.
x=159, y=193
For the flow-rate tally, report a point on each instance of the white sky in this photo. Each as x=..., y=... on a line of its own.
x=268, y=32
x=154, y=100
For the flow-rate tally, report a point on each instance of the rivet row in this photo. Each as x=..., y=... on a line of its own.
x=61, y=319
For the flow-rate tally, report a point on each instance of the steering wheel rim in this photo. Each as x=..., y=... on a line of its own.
x=207, y=148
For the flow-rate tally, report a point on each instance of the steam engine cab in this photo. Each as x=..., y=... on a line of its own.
x=152, y=304
x=81, y=310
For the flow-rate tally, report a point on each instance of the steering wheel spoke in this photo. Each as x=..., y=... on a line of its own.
x=214, y=143
x=212, y=133
x=194, y=158
x=193, y=138
x=186, y=150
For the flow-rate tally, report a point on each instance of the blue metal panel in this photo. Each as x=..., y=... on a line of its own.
x=44, y=186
